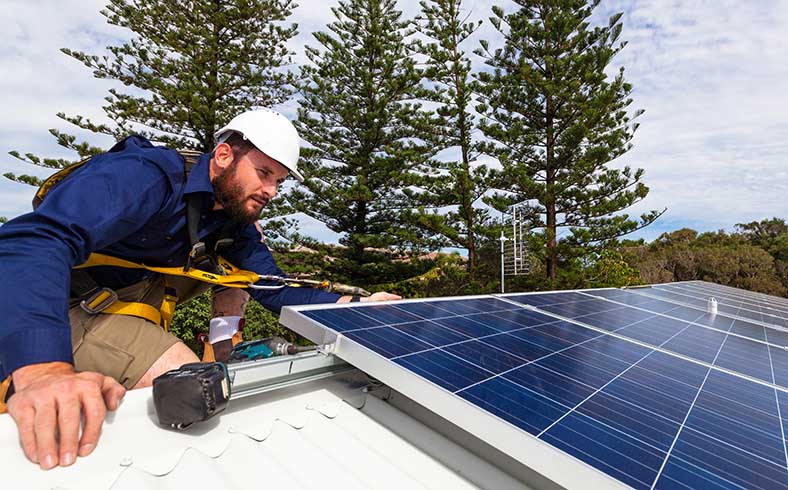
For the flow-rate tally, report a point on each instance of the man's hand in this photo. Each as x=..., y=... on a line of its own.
x=374, y=297
x=46, y=406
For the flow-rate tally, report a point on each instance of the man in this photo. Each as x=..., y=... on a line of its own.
x=67, y=359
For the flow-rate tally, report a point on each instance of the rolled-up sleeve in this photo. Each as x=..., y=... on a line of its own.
x=93, y=208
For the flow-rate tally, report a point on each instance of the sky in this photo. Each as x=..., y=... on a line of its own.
x=710, y=75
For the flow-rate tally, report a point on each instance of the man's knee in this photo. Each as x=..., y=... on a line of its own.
x=174, y=357
x=229, y=302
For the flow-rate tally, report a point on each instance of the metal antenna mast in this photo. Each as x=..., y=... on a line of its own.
x=515, y=259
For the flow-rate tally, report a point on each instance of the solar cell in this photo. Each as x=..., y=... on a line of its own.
x=630, y=385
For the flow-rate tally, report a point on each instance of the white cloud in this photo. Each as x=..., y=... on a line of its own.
x=714, y=138
x=710, y=75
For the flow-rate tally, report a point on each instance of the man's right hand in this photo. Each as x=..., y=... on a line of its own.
x=46, y=406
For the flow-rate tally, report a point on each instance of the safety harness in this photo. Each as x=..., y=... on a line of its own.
x=203, y=263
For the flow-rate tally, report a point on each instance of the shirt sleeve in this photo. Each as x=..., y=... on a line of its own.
x=94, y=207
x=250, y=253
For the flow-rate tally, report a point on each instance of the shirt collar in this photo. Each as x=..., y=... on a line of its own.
x=199, y=179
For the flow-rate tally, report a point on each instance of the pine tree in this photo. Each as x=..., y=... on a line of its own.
x=555, y=121
x=193, y=64
x=358, y=116
x=454, y=184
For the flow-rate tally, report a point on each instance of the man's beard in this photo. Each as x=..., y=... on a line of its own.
x=230, y=195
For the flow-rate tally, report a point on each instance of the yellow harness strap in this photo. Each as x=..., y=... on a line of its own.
x=233, y=278
x=3, y=390
x=209, y=356
x=141, y=310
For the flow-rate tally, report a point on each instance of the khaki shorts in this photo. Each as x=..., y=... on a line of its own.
x=121, y=346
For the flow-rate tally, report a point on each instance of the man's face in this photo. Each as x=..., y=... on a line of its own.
x=246, y=185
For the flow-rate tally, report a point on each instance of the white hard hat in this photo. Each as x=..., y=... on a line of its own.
x=271, y=133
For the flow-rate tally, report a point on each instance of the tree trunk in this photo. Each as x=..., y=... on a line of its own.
x=549, y=202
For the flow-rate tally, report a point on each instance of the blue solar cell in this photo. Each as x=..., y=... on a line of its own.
x=615, y=349
x=739, y=414
x=684, y=372
x=584, y=366
x=737, y=391
x=613, y=320
x=582, y=309
x=425, y=310
x=568, y=332
x=613, y=452
x=776, y=337
x=548, y=299
x=534, y=336
x=780, y=362
x=636, y=300
x=692, y=315
x=525, y=318
x=342, y=319
x=712, y=418
x=697, y=342
x=608, y=293
x=387, y=341
x=720, y=465
x=514, y=404
x=467, y=326
x=749, y=330
x=485, y=356
x=718, y=322
x=632, y=420
x=473, y=306
x=654, y=331
x=678, y=298
x=517, y=347
x=500, y=324
x=554, y=386
x=432, y=333
x=657, y=393
x=746, y=357
x=783, y=406
x=388, y=314
x=444, y=369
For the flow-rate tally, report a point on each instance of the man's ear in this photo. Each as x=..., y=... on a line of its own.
x=223, y=156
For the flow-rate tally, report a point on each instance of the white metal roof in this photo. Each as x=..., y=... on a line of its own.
x=328, y=433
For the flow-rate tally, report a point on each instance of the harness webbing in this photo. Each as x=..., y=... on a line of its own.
x=96, y=299
x=232, y=276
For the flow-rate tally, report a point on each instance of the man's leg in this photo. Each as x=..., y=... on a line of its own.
x=174, y=357
x=131, y=350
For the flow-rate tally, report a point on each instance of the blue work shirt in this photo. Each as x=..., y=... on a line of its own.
x=127, y=203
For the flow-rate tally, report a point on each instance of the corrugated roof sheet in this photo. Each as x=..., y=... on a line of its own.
x=322, y=434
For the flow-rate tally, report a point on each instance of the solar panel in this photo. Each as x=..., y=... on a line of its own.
x=592, y=389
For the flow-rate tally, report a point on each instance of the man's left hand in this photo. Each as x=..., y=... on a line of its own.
x=375, y=297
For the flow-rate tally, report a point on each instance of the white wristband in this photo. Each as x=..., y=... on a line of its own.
x=223, y=328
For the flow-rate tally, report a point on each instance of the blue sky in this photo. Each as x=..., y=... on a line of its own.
x=711, y=76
